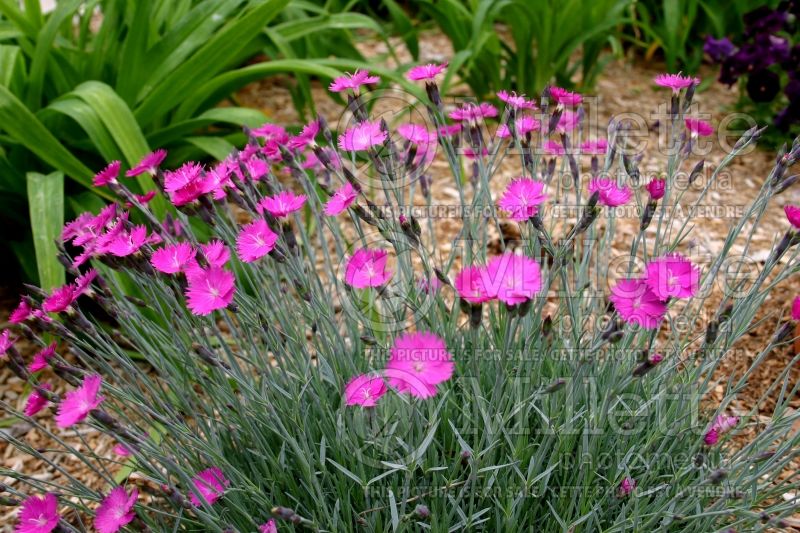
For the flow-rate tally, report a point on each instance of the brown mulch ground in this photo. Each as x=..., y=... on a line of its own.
x=624, y=87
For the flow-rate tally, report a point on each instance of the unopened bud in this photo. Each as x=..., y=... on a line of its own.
x=422, y=512
x=555, y=386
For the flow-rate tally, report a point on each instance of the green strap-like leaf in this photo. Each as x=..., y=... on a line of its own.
x=239, y=116
x=123, y=128
x=46, y=202
x=23, y=126
x=224, y=84
x=44, y=48
x=191, y=32
x=295, y=29
x=216, y=147
x=117, y=117
x=208, y=61
x=88, y=120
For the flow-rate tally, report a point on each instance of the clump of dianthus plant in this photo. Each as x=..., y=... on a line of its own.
x=295, y=345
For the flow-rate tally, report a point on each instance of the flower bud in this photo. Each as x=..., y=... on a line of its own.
x=717, y=476
x=647, y=215
x=626, y=487
x=555, y=386
x=422, y=512
x=647, y=365
x=696, y=171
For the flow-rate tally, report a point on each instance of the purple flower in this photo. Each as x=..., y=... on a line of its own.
x=763, y=86
x=718, y=49
x=764, y=20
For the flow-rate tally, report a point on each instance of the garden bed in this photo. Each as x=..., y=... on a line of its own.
x=622, y=83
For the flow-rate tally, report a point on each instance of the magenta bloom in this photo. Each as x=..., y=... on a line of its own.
x=711, y=437
x=416, y=133
x=676, y=82
x=611, y=194
x=271, y=132
x=626, y=487
x=450, y=130
x=268, y=527
x=38, y=514
x=116, y=510
x=515, y=101
x=367, y=268
x=352, y=81
x=513, y=279
x=551, y=147
x=721, y=425
x=77, y=404
x=83, y=283
x=429, y=285
x=210, y=484
x=568, y=121
x=418, y=362
x=209, y=290
x=656, y=187
x=793, y=215
x=126, y=242
x=362, y=137
x=425, y=72
x=36, y=401
x=145, y=198
x=60, y=299
x=255, y=240
x=340, y=200
x=469, y=153
x=187, y=183
x=107, y=175
x=122, y=450
x=523, y=126
x=796, y=308
x=364, y=390
x=522, y=198
x=564, y=97
x=149, y=164
x=282, y=204
x=21, y=313
x=306, y=136
x=636, y=303
x=698, y=127
x=474, y=112
x=256, y=167
x=594, y=147
x=216, y=253
x=172, y=258
x=5, y=342
x=672, y=276
x=470, y=285
x=313, y=162
x=42, y=357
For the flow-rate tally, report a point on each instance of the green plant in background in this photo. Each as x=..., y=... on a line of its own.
x=677, y=28
x=94, y=81
x=546, y=40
